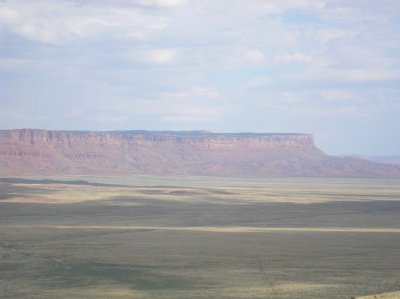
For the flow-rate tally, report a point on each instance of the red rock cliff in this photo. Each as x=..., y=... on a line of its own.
x=41, y=152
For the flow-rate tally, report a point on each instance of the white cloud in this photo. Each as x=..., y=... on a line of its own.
x=161, y=3
x=195, y=105
x=366, y=74
x=160, y=56
x=254, y=83
x=276, y=7
x=192, y=114
x=204, y=91
x=8, y=15
x=327, y=73
x=254, y=56
x=60, y=22
x=193, y=94
x=294, y=58
x=325, y=36
x=338, y=96
x=13, y=63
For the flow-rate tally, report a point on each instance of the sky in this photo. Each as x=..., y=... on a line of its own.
x=330, y=68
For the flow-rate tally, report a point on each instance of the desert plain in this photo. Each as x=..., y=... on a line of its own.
x=146, y=236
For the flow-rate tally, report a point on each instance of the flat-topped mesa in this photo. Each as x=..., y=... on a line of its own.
x=41, y=152
x=76, y=139
x=43, y=137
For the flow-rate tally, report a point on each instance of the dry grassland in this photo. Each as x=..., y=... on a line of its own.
x=199, y=237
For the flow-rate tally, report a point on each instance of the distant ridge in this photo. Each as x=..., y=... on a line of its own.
x=41, y=152
x=394, y=160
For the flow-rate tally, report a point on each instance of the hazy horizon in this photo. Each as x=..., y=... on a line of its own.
x=329, y=68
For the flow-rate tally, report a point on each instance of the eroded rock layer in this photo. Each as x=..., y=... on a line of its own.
x=41, y=152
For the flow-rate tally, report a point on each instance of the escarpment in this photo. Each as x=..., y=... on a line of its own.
x=41, y=152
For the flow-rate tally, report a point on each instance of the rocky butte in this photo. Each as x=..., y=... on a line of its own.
x=41, y=152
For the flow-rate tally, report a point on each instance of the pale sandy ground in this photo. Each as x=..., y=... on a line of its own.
x=121, y=291
x=224, y=229
x=392, y=295
x=272, y=192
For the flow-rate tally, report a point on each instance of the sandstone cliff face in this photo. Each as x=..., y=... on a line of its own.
x=41, y=152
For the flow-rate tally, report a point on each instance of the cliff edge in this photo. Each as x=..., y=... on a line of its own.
x=42, y=152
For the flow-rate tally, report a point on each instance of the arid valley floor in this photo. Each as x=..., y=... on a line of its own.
x=198, y=237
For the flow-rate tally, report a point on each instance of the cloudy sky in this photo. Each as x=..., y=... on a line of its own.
x=326, y=67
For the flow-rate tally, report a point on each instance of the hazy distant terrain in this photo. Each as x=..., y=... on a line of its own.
x=198, y=237
x=395, y=160
x=41, y=152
